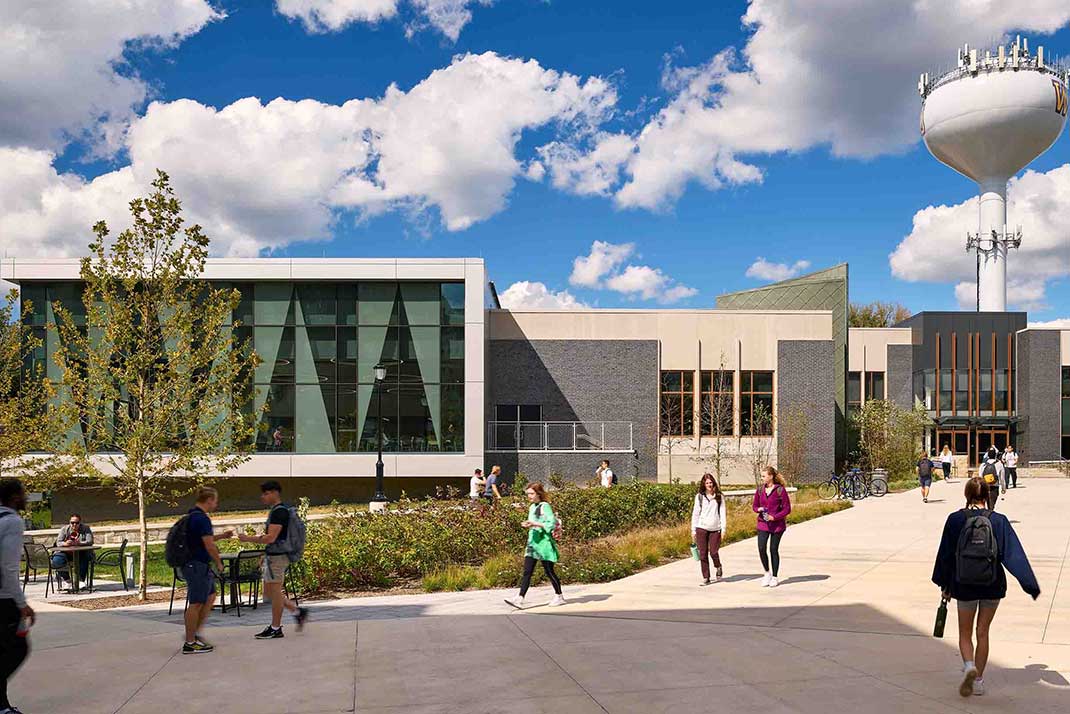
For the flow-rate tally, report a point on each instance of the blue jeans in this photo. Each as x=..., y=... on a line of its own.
x=60, y=560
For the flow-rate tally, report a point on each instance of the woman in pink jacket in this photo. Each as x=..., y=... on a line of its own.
x=772, y=505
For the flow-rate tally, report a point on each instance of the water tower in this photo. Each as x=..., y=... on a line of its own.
x=988, y=118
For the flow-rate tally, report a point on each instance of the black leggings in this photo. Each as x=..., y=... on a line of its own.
x=773, y=541
x=13, y=649
x=529, y=570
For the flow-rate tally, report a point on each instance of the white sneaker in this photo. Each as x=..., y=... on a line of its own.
x=969, y=678
x=767, y=579
x=773, y=582
x=517, y=602
x=557, y=601
x=978, y=687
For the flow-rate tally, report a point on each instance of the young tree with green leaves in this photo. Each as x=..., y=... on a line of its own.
x=156, y=391
x=23, y=394
x=889, y=436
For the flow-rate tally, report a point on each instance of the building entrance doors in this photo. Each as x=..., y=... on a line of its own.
x=987, y=438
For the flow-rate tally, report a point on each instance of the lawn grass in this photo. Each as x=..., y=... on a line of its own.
x=228, y=515
x=159, y=572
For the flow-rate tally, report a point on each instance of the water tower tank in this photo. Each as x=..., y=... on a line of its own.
x=988, y=118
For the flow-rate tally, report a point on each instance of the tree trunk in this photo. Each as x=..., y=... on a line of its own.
x=143, y=537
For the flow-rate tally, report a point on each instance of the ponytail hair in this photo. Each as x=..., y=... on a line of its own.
x=777, y=478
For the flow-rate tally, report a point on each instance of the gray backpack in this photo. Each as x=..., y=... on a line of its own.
x=293, y=546
x=977, y=552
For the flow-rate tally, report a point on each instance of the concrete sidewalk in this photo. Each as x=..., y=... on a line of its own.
x=850, y=627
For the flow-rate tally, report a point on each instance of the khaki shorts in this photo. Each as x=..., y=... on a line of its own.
x=274, y=568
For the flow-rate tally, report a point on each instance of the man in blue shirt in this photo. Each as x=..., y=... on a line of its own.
x=198, y=573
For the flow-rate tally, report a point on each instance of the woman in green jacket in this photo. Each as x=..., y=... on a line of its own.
x=541, y=545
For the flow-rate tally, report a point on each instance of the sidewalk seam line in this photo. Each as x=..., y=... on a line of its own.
x=356, y=655
x=556, y=663
x=1055, y=592
x=146, y=682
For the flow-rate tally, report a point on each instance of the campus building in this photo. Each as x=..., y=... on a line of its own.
x=770, y=374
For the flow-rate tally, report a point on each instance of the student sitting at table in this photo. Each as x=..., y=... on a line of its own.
x=74, y=533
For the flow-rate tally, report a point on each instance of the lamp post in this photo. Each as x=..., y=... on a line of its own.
x=378, y=503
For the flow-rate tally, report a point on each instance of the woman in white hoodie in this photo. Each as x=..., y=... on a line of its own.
x=708, y=522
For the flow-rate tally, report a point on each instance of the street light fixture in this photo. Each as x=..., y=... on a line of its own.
x=379, y=502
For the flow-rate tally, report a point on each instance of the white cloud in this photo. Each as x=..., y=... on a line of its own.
x=588, y=270
x=525, y=295
x=63, y=70
x=934, y=251
x=648, y=283
x=1028, y=295
x=261, y=176
x=762, y=269
x=590, y=173
x=601, y=269
x=809, y=75
x=447, y=16
x=1062, y=323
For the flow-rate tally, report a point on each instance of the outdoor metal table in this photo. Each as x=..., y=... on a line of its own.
x=230, y=562
x=74, y=553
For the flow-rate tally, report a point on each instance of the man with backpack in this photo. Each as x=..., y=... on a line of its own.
x=976, y=546
x=191, y=547
x=605, y=474
x=284, y=543
x=992, y=473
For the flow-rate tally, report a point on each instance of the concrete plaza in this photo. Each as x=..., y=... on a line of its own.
x=849, y=628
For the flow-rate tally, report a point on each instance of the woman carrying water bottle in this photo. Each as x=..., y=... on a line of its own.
x=965, y=571
x=709, y=519
x=772, y=505
x=542, y=546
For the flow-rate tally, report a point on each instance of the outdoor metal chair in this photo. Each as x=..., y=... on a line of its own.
x=174, y=584
x=38, y=558
x=111, y=557
x=244, y=570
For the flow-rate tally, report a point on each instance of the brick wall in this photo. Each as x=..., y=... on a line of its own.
x=900, y=375
x=806, y=381
x=1039, y=394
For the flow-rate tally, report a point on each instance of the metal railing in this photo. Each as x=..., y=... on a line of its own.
x=601, y=436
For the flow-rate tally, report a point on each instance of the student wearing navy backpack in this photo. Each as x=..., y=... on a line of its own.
x=277, y=540
x=977, y=545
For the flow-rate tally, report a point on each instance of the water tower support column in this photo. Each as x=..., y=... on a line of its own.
x=992, y=247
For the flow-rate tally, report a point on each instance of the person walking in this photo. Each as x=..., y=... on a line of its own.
x=772, y=505
x=476, y=484
x=197, y=572
x=16, y=616
x=490, y=487
x=976, y=547
x=75, y=533
x=709, y=520
x=992, y=474
x=947, y=460
x=542, y=545
x=277, y=554
x=925, y=475
x=1010, y=467
x=605, y=475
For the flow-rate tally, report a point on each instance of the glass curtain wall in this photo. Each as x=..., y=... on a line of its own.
x=318, y=344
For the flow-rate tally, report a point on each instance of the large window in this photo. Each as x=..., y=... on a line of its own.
x=854, y=392
x=716, y=404
x=677, y=403
x=1066, y=412
x=756, y=403
x=319, y=343
x=874, y=385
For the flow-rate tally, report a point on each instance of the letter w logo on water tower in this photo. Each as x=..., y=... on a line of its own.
x=1060, y=97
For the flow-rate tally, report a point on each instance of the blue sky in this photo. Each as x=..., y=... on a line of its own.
x=827, y=193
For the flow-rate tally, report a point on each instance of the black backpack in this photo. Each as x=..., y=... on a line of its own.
x=614, y=479
x=177, y=551
x=990, y=470
x=977, y=553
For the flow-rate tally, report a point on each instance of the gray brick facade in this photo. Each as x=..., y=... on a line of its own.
x=1039, y=395
x=900, y=376
x=578, y=380
x=806, y=381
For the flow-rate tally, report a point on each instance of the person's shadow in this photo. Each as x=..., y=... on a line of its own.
x=803, y=579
